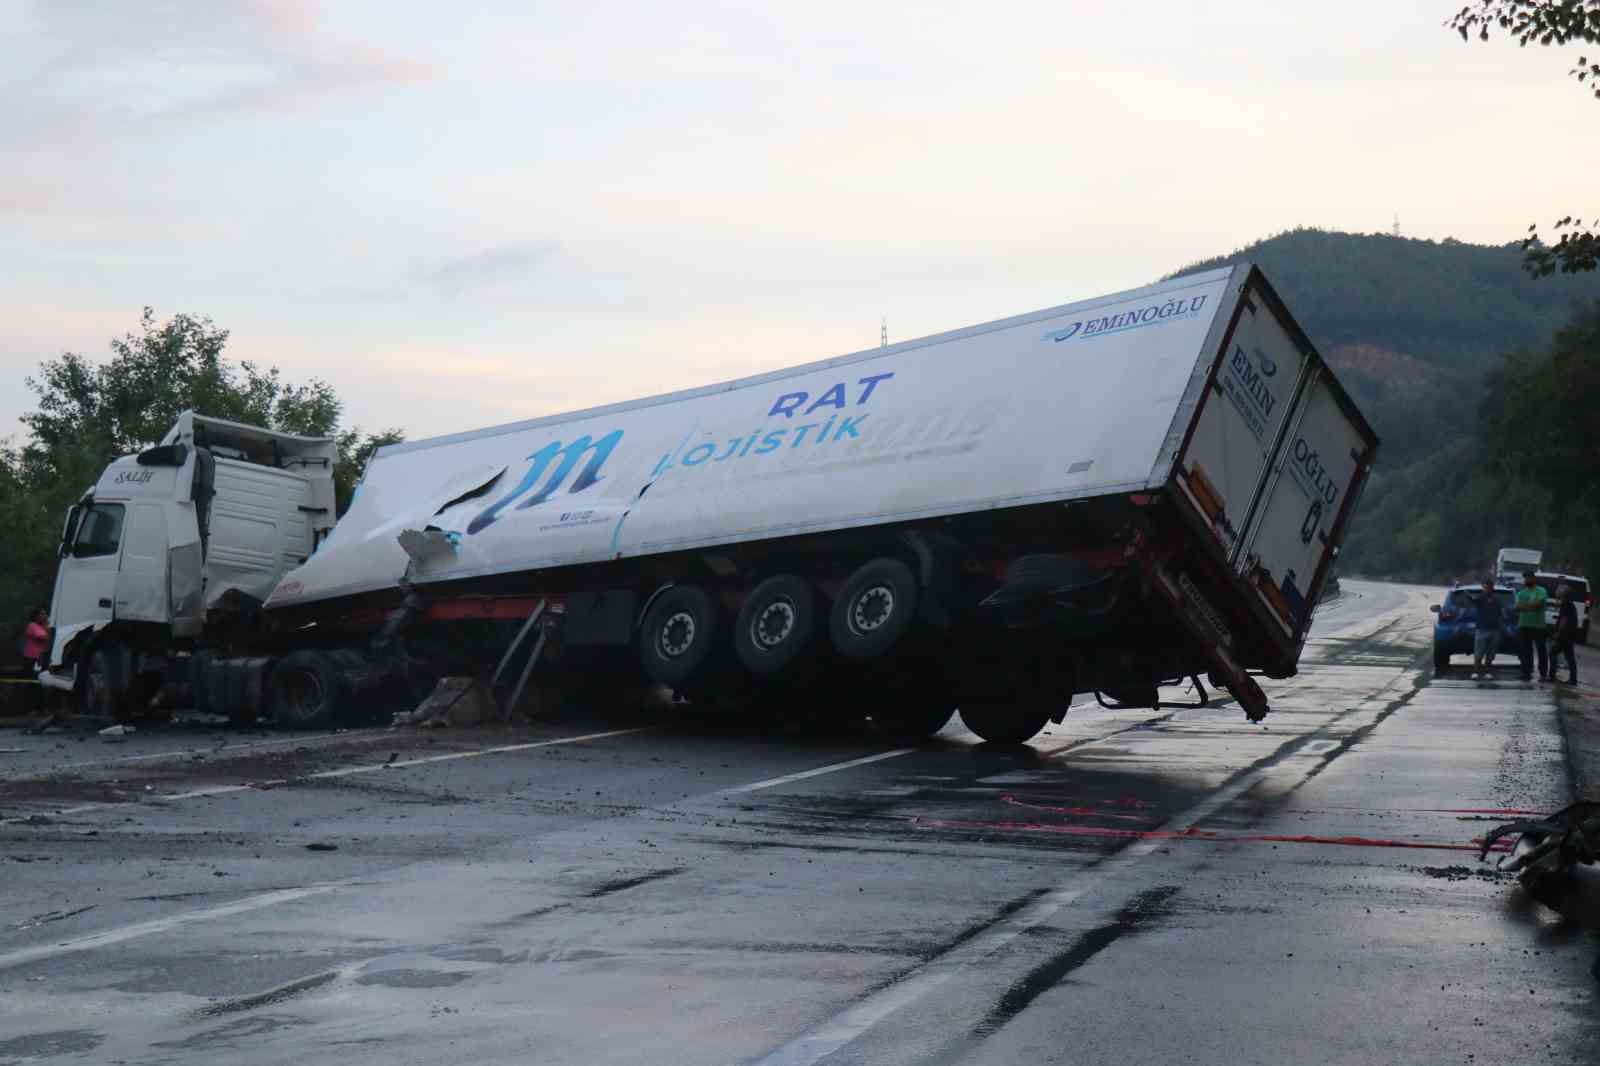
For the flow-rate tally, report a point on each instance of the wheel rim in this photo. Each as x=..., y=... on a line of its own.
x=302, y=691
x=872, y=609
x=677, y=635
x=773, y=625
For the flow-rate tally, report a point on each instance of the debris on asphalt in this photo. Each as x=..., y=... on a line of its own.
x=320, y=846
x=117, y=730
x=1549, y=851
x=455, y=701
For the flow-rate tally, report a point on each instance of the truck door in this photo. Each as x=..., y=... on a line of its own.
x=86, y=582
x=142, y=581
x=1313, y=477
x=1251, y=395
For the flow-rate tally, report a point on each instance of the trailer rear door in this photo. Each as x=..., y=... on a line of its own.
x=1249, y=400
x=1296, y=531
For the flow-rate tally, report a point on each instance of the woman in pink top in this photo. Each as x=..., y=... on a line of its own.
x=36, y=638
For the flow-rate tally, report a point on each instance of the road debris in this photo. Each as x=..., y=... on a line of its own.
x=455, y=701
x=117, y=730
x=321, y=846
x=1549, y=850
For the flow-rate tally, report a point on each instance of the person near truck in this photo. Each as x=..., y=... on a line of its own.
x=36, y=638
x=1486, y=638
x=1530, y=622
x=1566, y=635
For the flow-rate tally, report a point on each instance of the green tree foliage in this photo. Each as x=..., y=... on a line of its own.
x=1519, y=471
x=88, y=413
x=1431, y=317
x=1545, y=22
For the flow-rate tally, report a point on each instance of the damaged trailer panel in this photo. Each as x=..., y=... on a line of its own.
x=1080, y=401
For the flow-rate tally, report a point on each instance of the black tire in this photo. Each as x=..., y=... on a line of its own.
x=305, y=690
x=775, y=625
x=677, y=634
x=1441, y=662
x=1000, y=723
x=873, y=610
x=1583, y=633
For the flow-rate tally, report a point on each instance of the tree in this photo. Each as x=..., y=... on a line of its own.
x=88, y=413
x=1546, y=22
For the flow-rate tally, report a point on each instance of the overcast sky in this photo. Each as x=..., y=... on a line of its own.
x=464, y=214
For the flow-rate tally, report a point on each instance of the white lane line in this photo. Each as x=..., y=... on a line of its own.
x=774, y=782
x=224, y=751
x=22, y=956
x=840, y=1030
x=347, y=771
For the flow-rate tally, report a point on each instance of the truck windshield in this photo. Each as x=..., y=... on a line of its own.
x=99, y=531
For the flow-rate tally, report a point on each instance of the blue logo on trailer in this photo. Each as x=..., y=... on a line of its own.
x=1123, y=321
x=598, y=451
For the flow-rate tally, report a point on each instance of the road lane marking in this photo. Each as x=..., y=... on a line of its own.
x=347, y=771
x=23, y=956
x=845, y=1027
x=224, y=751
x=774, y=782
x=832, y=1035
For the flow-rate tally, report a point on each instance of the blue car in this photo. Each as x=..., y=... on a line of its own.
x=1457, y=624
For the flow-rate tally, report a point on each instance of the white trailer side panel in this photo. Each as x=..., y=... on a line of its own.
x=1072, y=402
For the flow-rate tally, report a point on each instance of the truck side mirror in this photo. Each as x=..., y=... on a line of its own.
x=164, y=455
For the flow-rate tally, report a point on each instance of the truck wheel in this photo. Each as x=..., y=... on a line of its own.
x=305, y=690
x=1003, y=723
x=677, y=634
x=874, y=609
x=1583, y=633
x=775, y=625
x=1441, y=663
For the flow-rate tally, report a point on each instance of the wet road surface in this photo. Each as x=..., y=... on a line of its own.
x=1135, y=886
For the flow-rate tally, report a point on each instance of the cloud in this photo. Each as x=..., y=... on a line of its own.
x=501, y=265
x=108, y=69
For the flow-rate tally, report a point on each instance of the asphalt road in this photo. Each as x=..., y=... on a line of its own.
x=1135, y=887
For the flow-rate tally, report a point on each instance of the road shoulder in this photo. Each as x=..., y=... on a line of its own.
x=1579, y=711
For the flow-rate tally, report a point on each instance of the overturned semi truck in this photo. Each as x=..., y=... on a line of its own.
x=1108, y=496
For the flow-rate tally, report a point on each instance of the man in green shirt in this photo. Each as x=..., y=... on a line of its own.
x=1530, y=624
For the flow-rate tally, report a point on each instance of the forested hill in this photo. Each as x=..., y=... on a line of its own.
x=1410, y=326
x=1484, y=384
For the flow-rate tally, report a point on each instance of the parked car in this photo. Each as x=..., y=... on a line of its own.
x=1550, y=581
x=1457, y=624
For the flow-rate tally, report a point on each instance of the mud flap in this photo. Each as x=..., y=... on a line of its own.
x=1211, y=633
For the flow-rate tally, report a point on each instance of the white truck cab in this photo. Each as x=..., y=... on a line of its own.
x=206, y=521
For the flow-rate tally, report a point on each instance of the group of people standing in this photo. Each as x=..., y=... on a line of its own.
x=1535, y=645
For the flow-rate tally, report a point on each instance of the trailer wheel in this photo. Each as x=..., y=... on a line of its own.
x=874, y=609
x=677, y=633
x=305, y=690
x=1004, y=723
x=775, y=624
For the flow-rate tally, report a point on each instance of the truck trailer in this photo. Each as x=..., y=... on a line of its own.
x=1108, y=496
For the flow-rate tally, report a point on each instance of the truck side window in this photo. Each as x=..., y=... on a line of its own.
x=100, y=531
